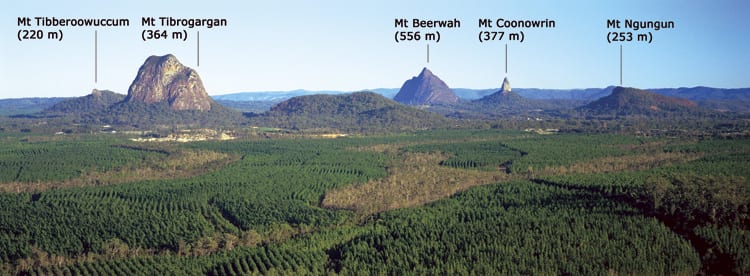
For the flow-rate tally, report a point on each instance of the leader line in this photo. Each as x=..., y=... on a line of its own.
x=198, y=46
x=620, y=64
x=428, y=53
x=96, y=57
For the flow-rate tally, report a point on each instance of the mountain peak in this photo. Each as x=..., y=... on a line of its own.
x=425, y=72
x=629, y=101
x=626, y=95
x=426, y=88
x=506, y=86
x=163, y=79
x=96, y=93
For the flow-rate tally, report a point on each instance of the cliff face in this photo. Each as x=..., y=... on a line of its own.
x=165, y=79
x=425, y=89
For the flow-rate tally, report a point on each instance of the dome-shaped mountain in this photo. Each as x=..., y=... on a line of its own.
x=360, y=111
x=163, y=79
x=426, y=88
x=353, y=103
x=632, y=101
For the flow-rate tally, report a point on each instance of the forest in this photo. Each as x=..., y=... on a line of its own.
x=461, y=201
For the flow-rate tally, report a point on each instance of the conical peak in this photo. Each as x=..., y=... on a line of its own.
x=425, y=89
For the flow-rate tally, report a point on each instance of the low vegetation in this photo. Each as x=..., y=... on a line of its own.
x=415, y=180
x=428, y=202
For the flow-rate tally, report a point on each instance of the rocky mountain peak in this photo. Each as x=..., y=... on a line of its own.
x=425, y=72
x=163, y=79
x=506, y=86
x=426, y=88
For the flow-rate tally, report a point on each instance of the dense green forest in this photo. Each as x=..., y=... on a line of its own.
x=521, y=203
x=362, y=112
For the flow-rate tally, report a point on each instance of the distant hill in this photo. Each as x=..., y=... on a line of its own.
x=23, y=106
x=271, y=96
x=737, y=100
x=462, y=93
x=98, y=100
x=588, y=94
x=473, y=94
x=523, y=102
x=248, y=106
x=712, y=98
x=701, y=93
x=386, y=92
x=625, y=101
x=360, y=111
x=265, y=97
x=425, y=89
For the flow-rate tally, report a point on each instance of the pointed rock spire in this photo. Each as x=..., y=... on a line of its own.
x=506, y=86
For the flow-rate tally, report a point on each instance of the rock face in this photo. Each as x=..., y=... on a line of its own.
x=425, y=89
x=163, y=79
x=506, y=86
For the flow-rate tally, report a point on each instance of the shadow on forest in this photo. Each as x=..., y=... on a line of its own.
x=712, y=262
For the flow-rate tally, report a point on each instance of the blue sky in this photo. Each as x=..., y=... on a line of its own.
x=348, y=45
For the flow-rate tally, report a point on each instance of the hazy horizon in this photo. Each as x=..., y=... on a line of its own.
x=344, y=46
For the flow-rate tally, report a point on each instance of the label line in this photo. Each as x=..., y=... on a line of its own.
x=198, y=47
x=96, y=57
x=506, y=58
x=620, y=64
x=428, y=53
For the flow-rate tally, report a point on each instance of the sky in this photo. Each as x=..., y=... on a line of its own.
x=349, y=45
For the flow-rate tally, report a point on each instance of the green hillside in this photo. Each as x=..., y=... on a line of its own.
x=626, y=101
x=361, y=111
x=94, y=102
